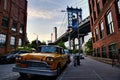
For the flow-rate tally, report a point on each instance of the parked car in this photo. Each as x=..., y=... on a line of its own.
x=68, y=53
x=10, y=57
x=48, y=61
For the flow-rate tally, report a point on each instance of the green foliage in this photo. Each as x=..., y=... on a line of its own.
x=34, y=44
x=88, y=46
x=43, y=43
x=25, y=48
x=74, y=51
x=61, y=44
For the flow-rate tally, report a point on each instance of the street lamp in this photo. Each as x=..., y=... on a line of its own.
x=51, y=36
x=36, y=39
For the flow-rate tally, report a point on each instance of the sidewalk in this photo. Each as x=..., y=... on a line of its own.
x=105, y=60
x=90, y=69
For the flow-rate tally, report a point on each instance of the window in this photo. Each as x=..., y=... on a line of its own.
x=91, y=21
x=12, y=41
x=93, y=34
x=118, y=12
x=94, y=15
x=101, y=30
x=118, y=6
x=90, y=8
x=98, y=6
x=5, y=4
x=112, y=50
x=94, y=52
x=14, y=25
x=98, y=52
x=2, y=40
x=96, y=34
x=104, y=52
x=92, y=3
x=5, y=22
x=21, y=28
x=109, y=23
x=20, y=42
x=103, y=1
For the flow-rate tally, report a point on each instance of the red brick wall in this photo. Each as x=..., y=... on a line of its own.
x=16, y=10
x=108, y=39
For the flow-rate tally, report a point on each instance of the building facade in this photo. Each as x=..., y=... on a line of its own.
x=105, y=27
x=13, y=19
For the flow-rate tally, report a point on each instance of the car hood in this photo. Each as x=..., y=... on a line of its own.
x=38, y=56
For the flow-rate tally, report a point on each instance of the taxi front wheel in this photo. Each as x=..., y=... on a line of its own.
x=23, y=74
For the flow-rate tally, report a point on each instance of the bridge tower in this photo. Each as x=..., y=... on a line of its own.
x=74, y=18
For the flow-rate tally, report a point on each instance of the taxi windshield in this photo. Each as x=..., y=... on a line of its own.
x=47, y=49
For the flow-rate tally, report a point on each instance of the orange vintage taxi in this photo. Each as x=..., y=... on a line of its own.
x=47, y=61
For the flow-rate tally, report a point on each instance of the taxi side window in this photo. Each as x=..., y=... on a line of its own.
x=63, y=52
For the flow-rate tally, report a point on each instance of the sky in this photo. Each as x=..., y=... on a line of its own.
x=44, y=15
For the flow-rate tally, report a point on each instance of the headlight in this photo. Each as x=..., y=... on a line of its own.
x=18, y=58
x=49, y=59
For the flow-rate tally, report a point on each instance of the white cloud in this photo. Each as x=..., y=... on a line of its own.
x=42, y=14
x=41, y=37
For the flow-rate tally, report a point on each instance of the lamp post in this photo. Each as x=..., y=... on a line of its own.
x=51, y=36
x=36, y=39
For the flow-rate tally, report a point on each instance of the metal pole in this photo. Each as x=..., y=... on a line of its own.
x=78, y=56
x=69, y=40
x=55, y=33
x=51, y=36
x=36, y=39
x=78, y=41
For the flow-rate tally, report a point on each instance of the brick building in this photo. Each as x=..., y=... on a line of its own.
x=13, y=19
x=105, y=27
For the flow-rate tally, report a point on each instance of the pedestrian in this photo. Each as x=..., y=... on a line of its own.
x=74, y=60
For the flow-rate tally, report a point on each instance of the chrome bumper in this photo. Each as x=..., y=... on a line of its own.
x=45, y=72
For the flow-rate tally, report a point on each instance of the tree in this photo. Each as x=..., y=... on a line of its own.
x=88, y=46
x=25, y=48
x=34, y=44
x=61, y=44
x=43, y=43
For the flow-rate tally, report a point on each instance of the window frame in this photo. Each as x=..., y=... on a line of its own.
x=12, y=41
x=5, y=4
x=101, y=27
x=96, y=34
x=98, y=6
x=3, y=40
x=112, y=49
x=109, y=23
x=5, y=22
x=21, y=28
x=98, y=52
x=103, y=49
x=14, y=25
x=20, y=42
x=118, y=4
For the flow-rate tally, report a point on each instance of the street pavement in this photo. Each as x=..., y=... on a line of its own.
x=6, y=72
x=90, y=69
